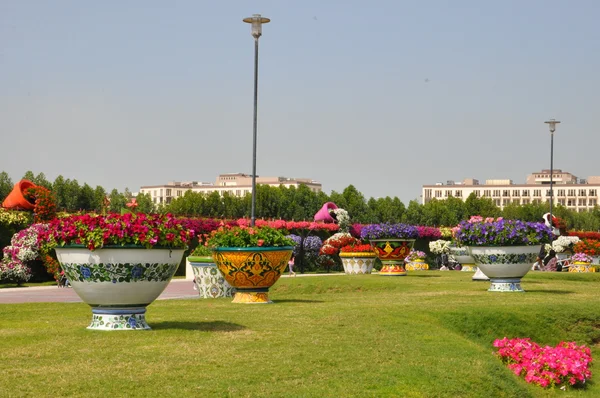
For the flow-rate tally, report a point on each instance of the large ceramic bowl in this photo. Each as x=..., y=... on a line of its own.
x=119, y=282
x=252, y=270
x=358, y=262
x=504, y=265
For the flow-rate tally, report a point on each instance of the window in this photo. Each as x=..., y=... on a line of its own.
x=238, y=192
x=516, y=201
x=477, y=193
x=438, y=193
x=593, y=202
x=497, y=193
x=582, y=202
x=593, y=192
x=525, y=201
x=526, y=192
x=536, y=201
x=506, y=192
x=570, y=202
x=179, y=192
x=458, y=194
x=497, y=202
x=561, y=202
x=582, y=192
x=515, y=192
x=571, y=192
x=561, y=192
x=487, y=193
x=547, y=192
x=161, y=191
x=155, y=192
x=448, y=194
x=537, y=192
x=168, y=192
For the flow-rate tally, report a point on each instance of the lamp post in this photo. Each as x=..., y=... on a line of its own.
x=256, y=20
x=552, y=125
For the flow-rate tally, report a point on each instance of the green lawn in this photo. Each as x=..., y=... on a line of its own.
x=428, y=334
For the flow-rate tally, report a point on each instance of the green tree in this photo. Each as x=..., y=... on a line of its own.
x=72, y=190
x=86, y=198
x=214, y=205
x=413, y=214
x=99, y=198
x=6, y=185
x=41, y=180
x=117, y=201
x=356, y=205
x=145, y=204
x=59, y=188
x=484, y=207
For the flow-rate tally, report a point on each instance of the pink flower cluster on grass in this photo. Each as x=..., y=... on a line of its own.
x=564, y=365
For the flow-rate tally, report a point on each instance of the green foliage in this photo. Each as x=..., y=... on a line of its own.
x=6, y=185
x=249, y=237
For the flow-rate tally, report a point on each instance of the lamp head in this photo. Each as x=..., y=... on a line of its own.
x=256, y=20
x=552, y=124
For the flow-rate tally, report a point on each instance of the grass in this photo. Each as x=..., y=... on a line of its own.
x=428, y=334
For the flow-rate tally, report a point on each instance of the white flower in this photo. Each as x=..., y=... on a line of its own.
x=439, y=246
x=563, y=243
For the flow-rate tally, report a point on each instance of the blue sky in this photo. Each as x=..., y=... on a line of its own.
x=384, y=95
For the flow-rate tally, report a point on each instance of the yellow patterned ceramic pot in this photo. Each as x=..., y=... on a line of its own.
x=417, y=265
x=581, y=266
x=252, y=270
x=358, y=262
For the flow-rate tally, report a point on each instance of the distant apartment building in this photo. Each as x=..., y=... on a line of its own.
x=569, y=191
x=237, y=184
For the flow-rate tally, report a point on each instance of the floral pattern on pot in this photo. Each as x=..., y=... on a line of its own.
x=579, y=266
x=119, y=322
x=417, y=265
x=210, y=281
x=128, y=272
x=504, y=265
x=392, y=253
x=509, y=258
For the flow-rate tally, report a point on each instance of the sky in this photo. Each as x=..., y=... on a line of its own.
x=383, y=95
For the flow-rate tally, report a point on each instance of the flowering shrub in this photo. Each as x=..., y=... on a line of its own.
x=310, y=244
x=96, y=231
x=582, y=258
x=591, y=247
x=44, y=204
x=289, y=225
x=446, y=232
x=415, y=255
x=358, y=247
x=439, y=246
x=585, y=235
x=14, y=217
x=502, y=233
x=429, y=232
x=332, y=245
x=564, y=365
x=342, y=218
x=24, y=247
x=265, y=236
x=386, y=231
x=564, y=243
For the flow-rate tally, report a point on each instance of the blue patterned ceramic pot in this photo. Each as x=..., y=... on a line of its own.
x=504, y=265
x=208, y=279
x=119, y=282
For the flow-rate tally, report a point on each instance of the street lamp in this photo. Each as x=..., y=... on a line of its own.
x=552, y=125
x=256, y=20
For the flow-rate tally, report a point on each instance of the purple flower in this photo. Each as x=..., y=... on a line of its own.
x=379, y=231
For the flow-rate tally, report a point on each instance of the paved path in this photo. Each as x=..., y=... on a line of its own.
x=177, y=288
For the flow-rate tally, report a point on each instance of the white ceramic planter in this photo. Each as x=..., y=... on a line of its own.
x=208, y=279
x=119, y=282
x=461, y=254
x=504, y=265
x=358, y=263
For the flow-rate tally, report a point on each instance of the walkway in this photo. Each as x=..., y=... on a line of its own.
x=177, y=289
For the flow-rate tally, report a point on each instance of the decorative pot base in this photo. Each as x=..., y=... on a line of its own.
x=480, y=276
x=392, y=270
x=251, y=298
x=119, y=319
x=417, y=266
x=505, y=285
x=469, y=268
x=582, y=268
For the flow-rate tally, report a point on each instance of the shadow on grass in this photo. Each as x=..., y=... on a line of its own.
x=216, y=326
x=296, y=301
x=424, y=276
x=549, y=291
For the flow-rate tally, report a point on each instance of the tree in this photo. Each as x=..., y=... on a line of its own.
x=6, y=185
x=484, y=207
x=99, y=198
x=86, y=198
x=413, y=214
x=117, y=201
x=41, y=180
x=145, y=204
x=59, y=189
x=356, y=206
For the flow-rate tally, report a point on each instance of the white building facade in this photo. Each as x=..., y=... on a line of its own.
x=236, y=184
x=569, y=191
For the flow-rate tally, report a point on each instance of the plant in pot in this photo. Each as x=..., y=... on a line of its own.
x=332, y=245
x=392, y=243
x=582, y=262
x=415, y=261
x=118, y=263
x=503, y=249
x=251, y=259
x=207, y=278
x=357, y=258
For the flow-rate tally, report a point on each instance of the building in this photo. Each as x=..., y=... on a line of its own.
x=569, y=191
x=237, y=184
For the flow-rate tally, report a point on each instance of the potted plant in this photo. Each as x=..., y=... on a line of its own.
x=357, y=258
x=503, y=249
x=581, y=262
x=118, y=264
x=415, y=261
x=391, y=243
x=207, y=278
x=251, y=259
x=590, y=246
